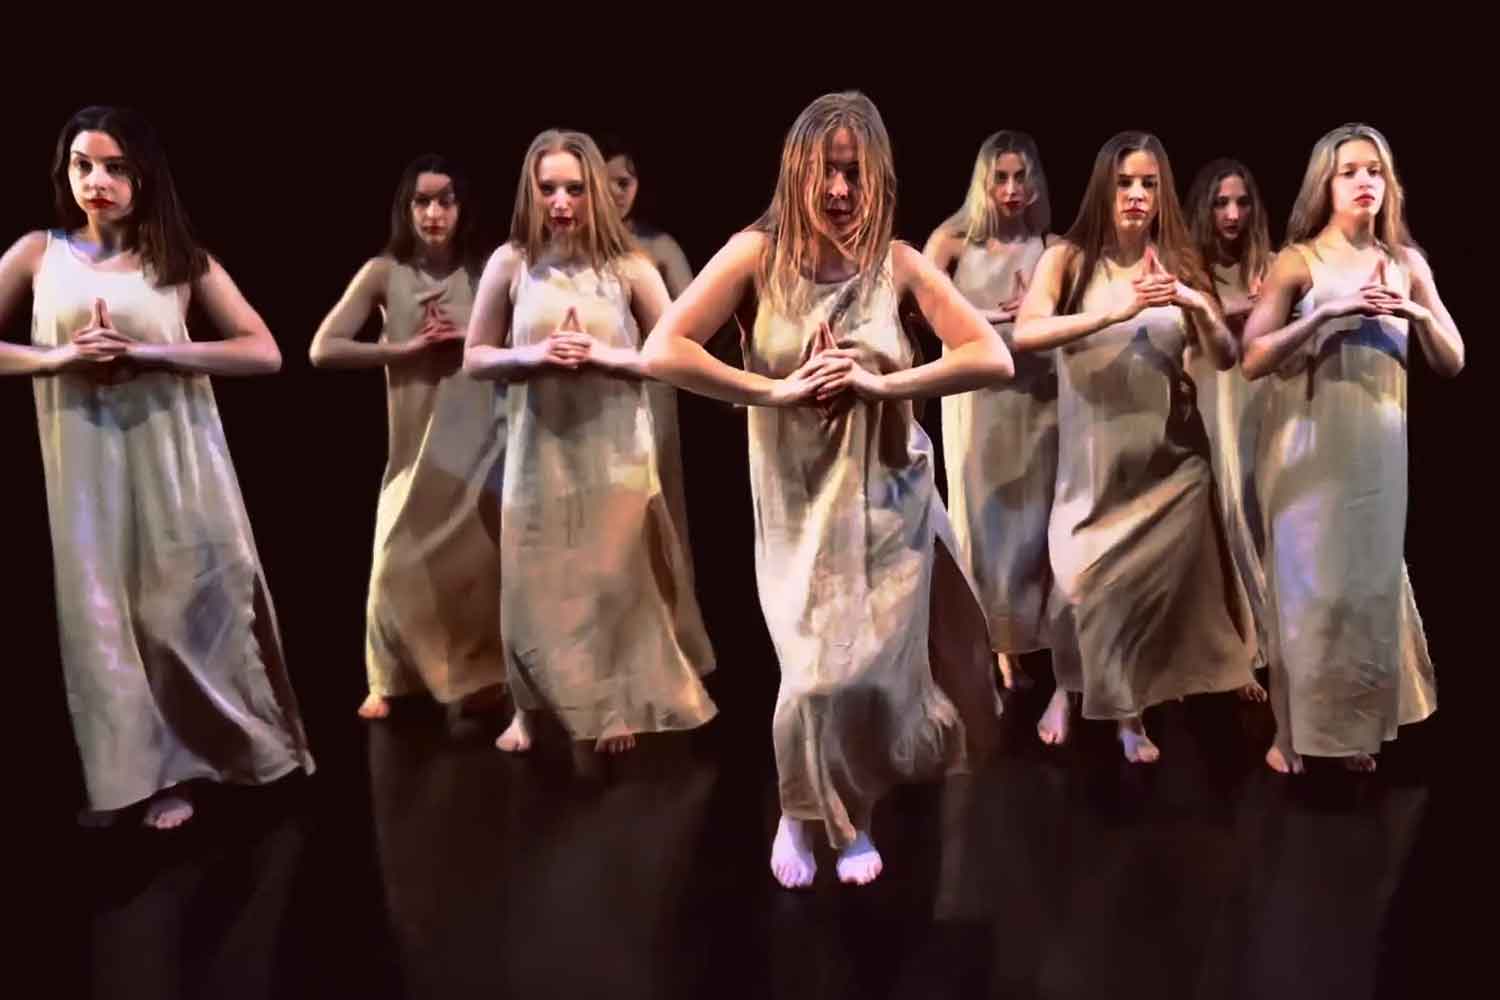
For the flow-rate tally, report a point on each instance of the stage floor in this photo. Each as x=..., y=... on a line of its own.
x=421, y=862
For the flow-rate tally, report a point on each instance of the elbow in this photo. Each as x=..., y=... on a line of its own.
x=1455, y=365
x=473, y=365
x=268, y=360
x=317, y=355
x=1003, y=365
x=1253, y=366
x=656, y=358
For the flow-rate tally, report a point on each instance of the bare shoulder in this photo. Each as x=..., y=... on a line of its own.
x=26, y=252
x=1415, y=262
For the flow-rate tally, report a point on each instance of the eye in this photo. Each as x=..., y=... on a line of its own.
x=575, y=190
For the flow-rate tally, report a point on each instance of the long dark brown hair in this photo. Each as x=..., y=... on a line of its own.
x=1093, y=230
x=157, y=228
x=402, y=243
x=1255, y=241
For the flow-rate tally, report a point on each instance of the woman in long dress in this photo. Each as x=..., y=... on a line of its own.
x=433, y=616
x=601, y=626
x=170, y=650
x=1000, y=443
x=1137, y=545
x=1333, y=331
x=1227, y=219
x=886, y=670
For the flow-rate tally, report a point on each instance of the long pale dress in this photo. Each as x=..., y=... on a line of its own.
x=1233, y=410
x=886, y=670
x=1137, y=545
x=1349, y=659
x=1001, y=449
x=601, y=624
x=171, y=654
x=433, y=616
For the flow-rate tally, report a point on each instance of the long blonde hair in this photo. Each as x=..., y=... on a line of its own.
x=1314, y=205
x=794, y=220
x=604, y=239
x=1256, y=242
x=1093, y=230
x=977, y=219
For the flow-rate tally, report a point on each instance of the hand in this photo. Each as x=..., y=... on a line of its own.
x=98, y=347
x=1011, y=307
x=1153, y=287
x=567, y=348
x=437, y=329
x=854, y=379
x=801, y=387
x=1374, y=298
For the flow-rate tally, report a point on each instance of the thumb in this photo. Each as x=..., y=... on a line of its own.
x=1378, y=276
x=570, y=321
x=1153, y=265
x=96, y=315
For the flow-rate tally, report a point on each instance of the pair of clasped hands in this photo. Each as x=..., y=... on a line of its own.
x=102, y=351
x=569, y=349
x=1376, y=298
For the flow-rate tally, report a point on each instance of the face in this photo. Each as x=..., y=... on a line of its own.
x=1358, y=179
x=434, y=209
x=1137, y=181
x=1010, y=185
x=622, y=184
x=100, y=177
x=1232, y=208
x=841, y=181
x=559, y=178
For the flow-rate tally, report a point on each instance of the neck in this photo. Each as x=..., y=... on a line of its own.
x=1010, y=229
x=432, y=258
x=109, y=239
x=830, y=263
x=1356, y=231
x=1229, y=252
x=1129, y=246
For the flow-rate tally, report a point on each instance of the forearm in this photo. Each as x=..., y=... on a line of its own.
x=684, y=363
x=236, y=356
x=975, y=365
x=24, y=359
x=1440, y=342
x=341, y=352
x=1266, y=353
x=1043, y=333
x=496, y=364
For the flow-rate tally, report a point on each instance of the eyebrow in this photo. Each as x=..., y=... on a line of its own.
x=445, y=189
x=76, y=155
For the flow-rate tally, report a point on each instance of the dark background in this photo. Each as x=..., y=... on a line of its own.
x=288, y=180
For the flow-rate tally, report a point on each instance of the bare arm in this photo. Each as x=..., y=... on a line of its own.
x=247, y=348
x=334, y=346
x=486, y=355
x=1436, y=331
x=1269, y=338
x=17, y=268
x=1039, y=328
x=674, y=351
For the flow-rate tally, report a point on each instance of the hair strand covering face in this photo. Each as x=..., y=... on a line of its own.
x=795, y=222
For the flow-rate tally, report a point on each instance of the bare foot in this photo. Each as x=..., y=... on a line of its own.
x=1011, y=674
x=1252, y=692
x=1360, y=763
x=791, y=858
x=859, y=863
x=1052, y=729
x=167, y=811
x=615, y=739
x=1284, y=761
x=1137, y=745
x=374, y=707
x=517, y=735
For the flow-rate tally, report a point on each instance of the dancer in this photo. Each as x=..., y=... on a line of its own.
x=170, y=649
x=601, y=624
x=624, y=186
x=1227, y=220
x=1001, y=443
x=1332, y=330
x=433, y=617
x=1135, y=537
x=885, y=660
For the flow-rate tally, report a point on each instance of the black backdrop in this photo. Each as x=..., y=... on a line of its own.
x=288, y=179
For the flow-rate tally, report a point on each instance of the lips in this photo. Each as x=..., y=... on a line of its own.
x=98, y=203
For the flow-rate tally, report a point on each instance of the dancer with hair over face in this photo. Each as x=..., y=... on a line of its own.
x=432, y=623
x=601, y=625
x=170, y=649
x=886, y=671
x=1332, y=332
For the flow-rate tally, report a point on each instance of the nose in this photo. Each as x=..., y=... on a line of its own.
x=838, y=187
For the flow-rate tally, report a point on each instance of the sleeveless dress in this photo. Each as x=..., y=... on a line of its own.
x=171, y=654
x=433, y=616
x=1000, y=445
x=1349, y=659
x=886, y=671
x=601, y=624
x=1137, y=546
